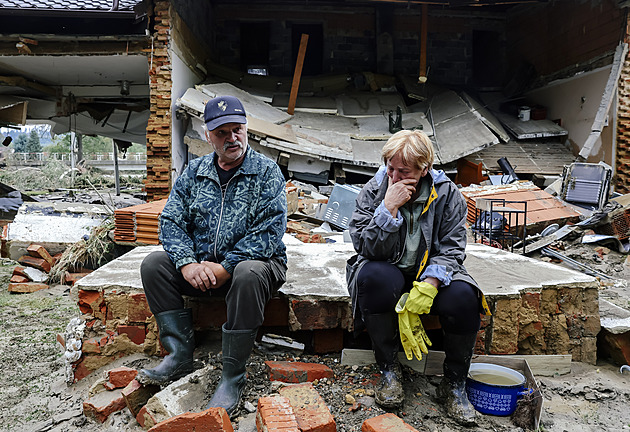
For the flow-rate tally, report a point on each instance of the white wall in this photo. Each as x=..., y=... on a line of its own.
x=575, y=101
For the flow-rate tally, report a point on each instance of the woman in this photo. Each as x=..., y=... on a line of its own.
x=409, y=234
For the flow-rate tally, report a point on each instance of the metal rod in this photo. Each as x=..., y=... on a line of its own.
x=573, y=263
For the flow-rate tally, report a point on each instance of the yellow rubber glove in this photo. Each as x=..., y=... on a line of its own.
x=421, y=298
x=412, y=334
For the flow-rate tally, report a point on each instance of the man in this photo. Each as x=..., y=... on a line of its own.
x=221, y=230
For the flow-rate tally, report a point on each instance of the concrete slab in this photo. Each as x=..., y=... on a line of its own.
x=501, y=273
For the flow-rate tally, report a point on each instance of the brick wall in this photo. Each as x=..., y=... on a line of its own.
x=158, y=182
x=622, y=154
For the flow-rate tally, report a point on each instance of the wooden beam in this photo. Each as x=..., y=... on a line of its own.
x=14, y=114
x=297, y=75
x=422, y=77
x=431, y=364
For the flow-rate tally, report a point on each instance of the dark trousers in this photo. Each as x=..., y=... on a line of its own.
x=252, y=284
x=380, y=285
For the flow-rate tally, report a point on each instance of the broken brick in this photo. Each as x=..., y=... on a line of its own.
x=210, y=420
x=102, y=404
x=145, y=418
x=311, y=411
x=19, y=279
x=38, y=263
x=136, y=333
x=19, y=271
x=274, y=414
x=138, y=308
x=386, y=423
x=297, y=372
x=136, y=395
x=39, y=251
x=121, y=376
x=92, y=302
x=27, y=287
x=71, y=278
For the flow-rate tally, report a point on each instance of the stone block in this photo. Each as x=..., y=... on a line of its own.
x=297, y=372
x=556, y=336
x=328, y=340
x=102, y=404
x=275, y=413
x=210, y=420
x=549, y=301
x=136, y=395
x=386, y=423
x=311, y=412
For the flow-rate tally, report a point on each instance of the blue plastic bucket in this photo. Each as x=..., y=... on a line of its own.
x=494, y=389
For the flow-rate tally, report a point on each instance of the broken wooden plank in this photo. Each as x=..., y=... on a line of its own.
x=532, y=128
x=14, y=114
x=431, y=364
x=297, y=75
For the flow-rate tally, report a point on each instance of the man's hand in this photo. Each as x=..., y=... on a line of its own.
x=398, y=194
x=205, y=275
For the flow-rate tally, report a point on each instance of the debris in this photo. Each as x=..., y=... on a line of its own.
x=586, y=184
x=282, y=342
x=73, y=338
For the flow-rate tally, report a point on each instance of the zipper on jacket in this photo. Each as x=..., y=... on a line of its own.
x=216, y=235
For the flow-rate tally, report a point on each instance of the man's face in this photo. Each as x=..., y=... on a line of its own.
x=229, y=142
x=397, y=170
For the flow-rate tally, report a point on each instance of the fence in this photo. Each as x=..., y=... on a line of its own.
x=42, y=157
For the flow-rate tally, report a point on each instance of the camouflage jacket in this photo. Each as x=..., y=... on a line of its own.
x=246, y=222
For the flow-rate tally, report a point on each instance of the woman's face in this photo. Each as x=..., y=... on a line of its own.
x=397, y=170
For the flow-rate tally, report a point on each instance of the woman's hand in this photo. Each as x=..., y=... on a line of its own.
x=398, y=194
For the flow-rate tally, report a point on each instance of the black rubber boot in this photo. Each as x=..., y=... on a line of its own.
x=178, y=338
x=452, y=388
x=237, y=346
x=383, y=330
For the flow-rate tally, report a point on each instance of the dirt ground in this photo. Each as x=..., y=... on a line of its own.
x=34, y=396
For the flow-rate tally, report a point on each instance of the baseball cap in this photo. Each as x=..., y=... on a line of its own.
x=223, y=109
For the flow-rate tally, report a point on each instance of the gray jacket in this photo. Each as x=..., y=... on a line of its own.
x=377, y=236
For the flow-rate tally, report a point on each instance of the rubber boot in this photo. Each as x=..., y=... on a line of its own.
x=383, y=330
x=452, y=388
x=178, y=338
x=237, y=346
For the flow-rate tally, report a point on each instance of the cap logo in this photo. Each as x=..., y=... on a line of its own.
x=222, y=105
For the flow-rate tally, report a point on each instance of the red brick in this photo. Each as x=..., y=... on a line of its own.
x=27, y=287
x=386, y=423
x=38, y=263
x=19, y=271
x=312, y=314
x=71, y=278
x=276, y=313
x=19, y=279
x=136, y=395
x=210, y=420
x=39, y=251
x=145, y=418
x=92, y=303
x=328, y=340
x=121, y=376
x=138, y=308
x=297, y=372
x=275, y=414
x=136, y=333
x=102, y=404
x=311, y=411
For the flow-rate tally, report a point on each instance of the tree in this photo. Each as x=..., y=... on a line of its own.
x=20, y=143
x=32, y=143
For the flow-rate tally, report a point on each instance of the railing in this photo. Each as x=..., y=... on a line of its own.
x=42, y=157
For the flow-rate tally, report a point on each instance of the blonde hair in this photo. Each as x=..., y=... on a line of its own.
x=414, y=146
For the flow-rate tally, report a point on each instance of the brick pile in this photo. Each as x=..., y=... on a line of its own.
x=622, y=155
x=32, y=273
x=158, y=181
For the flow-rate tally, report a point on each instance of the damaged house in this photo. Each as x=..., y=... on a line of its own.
x=539, y=83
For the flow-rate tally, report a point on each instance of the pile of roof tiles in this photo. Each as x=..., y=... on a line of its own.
x=138, y=224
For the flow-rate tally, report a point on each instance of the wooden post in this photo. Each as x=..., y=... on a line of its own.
x=297, y=74
x=423, y=44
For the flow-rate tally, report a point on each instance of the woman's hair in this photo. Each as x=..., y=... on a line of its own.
x=414, y=146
